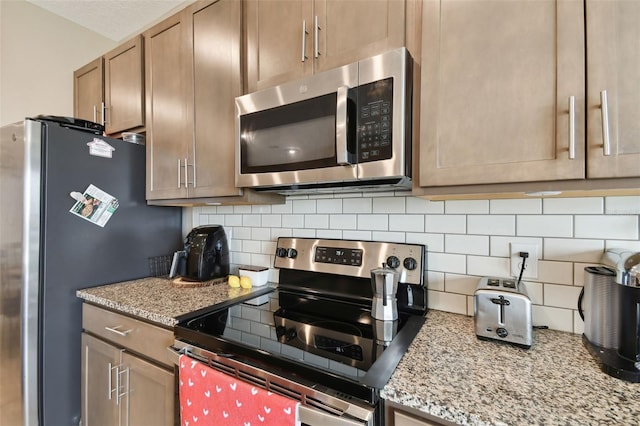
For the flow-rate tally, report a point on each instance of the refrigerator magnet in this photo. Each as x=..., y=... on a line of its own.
x=99, y=148
x=94, y=205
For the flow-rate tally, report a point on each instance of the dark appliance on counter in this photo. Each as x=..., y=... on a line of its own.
x=205, y=255
x=73, y=215
x=314, y=337
x=609, y=304
x=341, y=130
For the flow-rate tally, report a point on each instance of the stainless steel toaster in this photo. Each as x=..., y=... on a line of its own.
x=502, y=311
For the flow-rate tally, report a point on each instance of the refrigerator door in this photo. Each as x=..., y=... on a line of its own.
x=11, y=182
x=75, y=252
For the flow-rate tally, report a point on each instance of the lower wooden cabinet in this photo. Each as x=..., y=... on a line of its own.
x=120, y=387
x=397, y=415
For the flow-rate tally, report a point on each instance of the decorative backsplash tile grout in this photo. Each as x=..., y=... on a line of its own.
x=465, y=239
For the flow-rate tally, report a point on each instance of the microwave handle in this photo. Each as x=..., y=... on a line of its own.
x=342, y=154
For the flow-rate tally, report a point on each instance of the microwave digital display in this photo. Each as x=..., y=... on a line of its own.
x=375, y=110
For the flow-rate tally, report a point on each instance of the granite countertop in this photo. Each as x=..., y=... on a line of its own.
x=157, y=300
x=448, y=373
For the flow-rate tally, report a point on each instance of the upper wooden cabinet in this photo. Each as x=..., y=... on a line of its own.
x=193, y=76
x=290, y=39
x=502, y=97
x=110, y=89
x=88, y=91
x=613, y=73
x=124, y=86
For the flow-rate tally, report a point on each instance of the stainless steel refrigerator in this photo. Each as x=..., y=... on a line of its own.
x=72, y=215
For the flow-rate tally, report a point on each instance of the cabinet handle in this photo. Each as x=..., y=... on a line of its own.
x=111, y=388
x=606, y=142
x=179, y=172
x=304, y=39
x=95, y=114
x=572, y=127
x=118, y=332
x=104, y=112
x=316, y=44
x=342, y=155
x=186, y=174
x=125, y=388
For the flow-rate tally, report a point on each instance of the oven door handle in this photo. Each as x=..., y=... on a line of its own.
x=184, y=349
x=342, y=119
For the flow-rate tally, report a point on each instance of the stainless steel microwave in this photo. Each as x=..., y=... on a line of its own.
x=340, y=130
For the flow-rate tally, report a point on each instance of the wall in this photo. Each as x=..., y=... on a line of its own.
x=39, y=52
x=465, y=239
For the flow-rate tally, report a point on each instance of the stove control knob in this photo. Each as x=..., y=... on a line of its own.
x=410, y=263
x=281, y=252
x=393, y=262
x=292, y=253
x=291, y=334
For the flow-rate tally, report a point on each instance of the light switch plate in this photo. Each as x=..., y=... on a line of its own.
x=531, y=266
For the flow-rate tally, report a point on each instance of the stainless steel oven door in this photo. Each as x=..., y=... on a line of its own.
x=316, y=408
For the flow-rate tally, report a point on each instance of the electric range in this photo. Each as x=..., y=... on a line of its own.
x=315, y=330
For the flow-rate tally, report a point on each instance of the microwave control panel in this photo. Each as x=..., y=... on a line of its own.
x=375, y=112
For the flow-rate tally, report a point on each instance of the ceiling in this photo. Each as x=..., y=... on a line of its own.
x=113, y=19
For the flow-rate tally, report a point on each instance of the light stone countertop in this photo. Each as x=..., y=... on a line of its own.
x=157, y=300
x=448, y=373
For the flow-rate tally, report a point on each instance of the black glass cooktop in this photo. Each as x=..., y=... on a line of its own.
x=327, y=340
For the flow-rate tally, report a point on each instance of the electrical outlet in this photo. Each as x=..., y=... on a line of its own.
x=531, y=266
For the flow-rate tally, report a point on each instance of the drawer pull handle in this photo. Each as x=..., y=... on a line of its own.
x=118, y=332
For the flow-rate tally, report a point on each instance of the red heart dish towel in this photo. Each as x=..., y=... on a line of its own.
x=211, y=397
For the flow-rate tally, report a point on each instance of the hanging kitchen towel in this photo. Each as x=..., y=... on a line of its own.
x=210, y=397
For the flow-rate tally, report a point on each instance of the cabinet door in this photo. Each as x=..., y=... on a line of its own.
x=99, y=378
x=497, y=79
x=169, y=107
x=149, y=398
x=124, y=86
x=217, y=81
x=351, y=30
x=613, y=65
x=87, y=92
x=278, y=50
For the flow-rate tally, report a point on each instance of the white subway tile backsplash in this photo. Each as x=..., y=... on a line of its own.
x=422, y=206
x=448, y=224
x=555, y=272
x=356, y=205
x=467, y=244
x=561, y=296
x=465, y=239
x=456, y=303
x=304, y=206
x=587, y=205
x=466, y=206
x=555, y=318
x=524, y=206
x=607, y=227
x=573, y=250
x=444, y=262
x=491, y=225
x=373, y=222
x=488, y=266
x=406, y=222
x=329, y=206
x=622, y=205
x=388, y=205
x=545, y=226
x=317, y=221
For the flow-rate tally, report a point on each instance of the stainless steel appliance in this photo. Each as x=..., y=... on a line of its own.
x=54, y=239
x=612, y=313
x=314, y=338
x=344, y=129
x=384, y=285
x=205, y=255
x=502, y=311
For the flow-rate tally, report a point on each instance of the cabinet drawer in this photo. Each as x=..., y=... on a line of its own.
x=130, y=333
